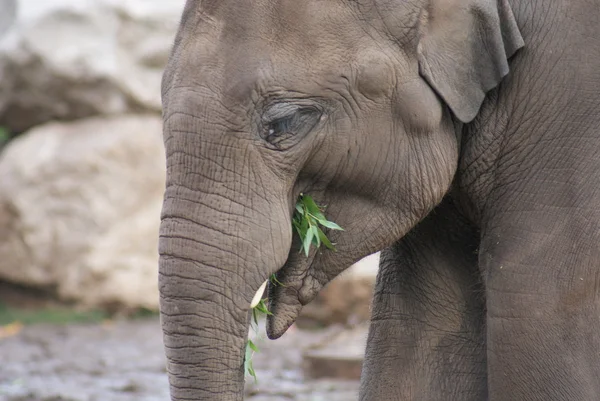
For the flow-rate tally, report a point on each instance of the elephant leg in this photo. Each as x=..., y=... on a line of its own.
x=542, y=273
x=427, y=336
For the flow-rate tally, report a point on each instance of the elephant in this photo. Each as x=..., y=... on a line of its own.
x=461, y=138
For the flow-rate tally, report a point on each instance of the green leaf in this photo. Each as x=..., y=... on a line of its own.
x=331, y=225
x=298, y=230
x=316, y=217
x=275, y=281
x=262, y=307
x=252, y=346
x=248, y=368
x=307, y=241
x=325, y=240
x=314, y=212
x=304, y=227
x=315, y=233
x=247, y=358
x=252, y=372
x=296, y=223
x=310, y=204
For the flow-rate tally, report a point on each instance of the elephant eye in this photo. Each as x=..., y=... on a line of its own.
x=279, y=128
x=283, y=132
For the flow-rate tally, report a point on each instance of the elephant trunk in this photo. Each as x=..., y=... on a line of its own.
x=216, y=249
x=203, y=315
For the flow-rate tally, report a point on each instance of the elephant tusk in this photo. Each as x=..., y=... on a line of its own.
x=258, y=295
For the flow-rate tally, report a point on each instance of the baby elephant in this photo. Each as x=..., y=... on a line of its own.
x=460, y=136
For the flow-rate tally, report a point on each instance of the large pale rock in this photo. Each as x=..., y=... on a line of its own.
x=8, y=11
x=68, y=59
x=80, y=208
x=346, y=299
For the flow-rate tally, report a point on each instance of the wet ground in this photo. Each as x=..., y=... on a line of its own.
x=124, y=361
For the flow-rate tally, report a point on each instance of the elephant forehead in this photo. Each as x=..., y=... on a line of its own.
x=277, y=20
x=242, y=81
x=244, y=45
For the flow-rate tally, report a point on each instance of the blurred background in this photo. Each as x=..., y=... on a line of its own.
x=81, y=185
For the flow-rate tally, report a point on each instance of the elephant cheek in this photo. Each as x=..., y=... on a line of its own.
x=417, y=107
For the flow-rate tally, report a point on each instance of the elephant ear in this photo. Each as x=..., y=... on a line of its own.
x=463, y=50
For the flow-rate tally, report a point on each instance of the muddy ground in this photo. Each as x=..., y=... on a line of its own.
x=124, y=361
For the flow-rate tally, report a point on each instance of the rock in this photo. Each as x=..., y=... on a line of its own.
x=340, y=357
x=8, y=12
x=80, y=208
x=69, y=59
x=346, y=299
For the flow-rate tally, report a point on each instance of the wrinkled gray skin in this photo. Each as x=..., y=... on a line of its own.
x=403, y=117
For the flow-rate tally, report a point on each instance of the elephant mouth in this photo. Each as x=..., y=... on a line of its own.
x=285, y=309
x=292, y=287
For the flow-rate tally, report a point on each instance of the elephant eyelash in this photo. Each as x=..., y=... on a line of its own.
x=295, y=125
x=280, y=110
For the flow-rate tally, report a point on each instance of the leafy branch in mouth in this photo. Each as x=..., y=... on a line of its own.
x=306, y=220
x=259, y=307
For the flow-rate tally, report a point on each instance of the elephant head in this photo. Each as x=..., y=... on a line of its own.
x=358, y=104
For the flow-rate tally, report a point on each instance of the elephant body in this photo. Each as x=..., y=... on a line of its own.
x=462, y=137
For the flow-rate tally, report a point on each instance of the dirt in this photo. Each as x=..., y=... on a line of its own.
x=124, y=361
